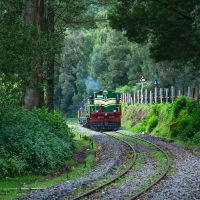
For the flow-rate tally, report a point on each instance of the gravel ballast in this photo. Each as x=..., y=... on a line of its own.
x=111, y=156
x=183, y=180
x=142, y=174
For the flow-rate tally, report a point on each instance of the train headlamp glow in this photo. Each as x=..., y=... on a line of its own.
x=105, y=92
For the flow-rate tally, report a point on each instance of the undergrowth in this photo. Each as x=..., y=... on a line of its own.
x=179, y=120
x=35, y=141
x=75, y=171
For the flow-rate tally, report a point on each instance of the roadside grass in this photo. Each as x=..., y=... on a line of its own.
x=71, y=120
x=189, y=145
x=159, y=156
x=10, y=187
x=146, y=144
x=105, y=179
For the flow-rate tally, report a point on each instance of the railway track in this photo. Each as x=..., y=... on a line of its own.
x=116, y=177
x=131, y=141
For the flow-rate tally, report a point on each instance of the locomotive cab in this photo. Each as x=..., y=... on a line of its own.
x=103, y=111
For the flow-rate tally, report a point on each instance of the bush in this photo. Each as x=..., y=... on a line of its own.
x=140, y=127
x=180, y=119
x=191, y=105
x=188, y=121
x=55, y=123
x=178, y=105
x=32, y=142
x=12, y=167
x=152, y=123
x=155, y=110
x=196, y=138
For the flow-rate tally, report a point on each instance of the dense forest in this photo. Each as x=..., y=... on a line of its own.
x=103, y=57
x=56, y=52
x=53, y=53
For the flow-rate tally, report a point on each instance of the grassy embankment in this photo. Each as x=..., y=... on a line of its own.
x=72, y=121
x=79, y=164
x=178, y=122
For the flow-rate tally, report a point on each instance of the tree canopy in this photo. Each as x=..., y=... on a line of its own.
x=170, y=26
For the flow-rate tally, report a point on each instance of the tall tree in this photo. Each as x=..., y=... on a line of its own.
x=34, y=96
x=170, y=25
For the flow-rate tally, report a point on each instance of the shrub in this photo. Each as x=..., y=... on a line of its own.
x=196, y=138
x=33, y=142
x=152, y=123
x=55, y=123
x=12, y=167
x=140, y=127
x=191, y=105
x=155, y=110
x=178, y=105
x=188, y=122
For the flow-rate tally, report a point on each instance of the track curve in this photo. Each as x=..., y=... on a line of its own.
x=161, y=176
x=115, y=178
x=87, y=194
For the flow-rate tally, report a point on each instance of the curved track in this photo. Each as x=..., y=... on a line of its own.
x=161, y=176
x=127, y=141
x=115, y=178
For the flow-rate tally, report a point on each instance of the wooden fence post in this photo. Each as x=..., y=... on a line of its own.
x=161, y=95
x=172, y=93
x=131, y=100
x=167, y=93
x=150, y=96
x=156, y=95
x=138, y=96
x=141, y=100
x=146, y=98
x=189, y=92
x=179, y=93
x=134, y=100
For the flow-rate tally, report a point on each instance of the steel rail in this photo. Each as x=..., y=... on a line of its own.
x=161, y=176
x=115, y=178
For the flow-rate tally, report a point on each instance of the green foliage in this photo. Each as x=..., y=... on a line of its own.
x=152, y=123
x=197, y=138
x=178, y=105
x=162, y=23
x=125, y=89
x=17, y=43
x=32, y=142
x=140, y=127
x=188, y=119
x=55, y=122
x=191, y=105
x=131, y=89
x=101, y=57
x=180, y=120
x=12, y=167
x=155, y=110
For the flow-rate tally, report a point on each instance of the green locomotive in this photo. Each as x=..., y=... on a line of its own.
x=101, y=111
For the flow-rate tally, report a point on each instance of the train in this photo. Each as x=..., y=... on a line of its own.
x=101, y=111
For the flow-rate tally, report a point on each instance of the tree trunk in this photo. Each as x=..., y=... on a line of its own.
x=38, y=77
x=51, y=58
x=34, y=15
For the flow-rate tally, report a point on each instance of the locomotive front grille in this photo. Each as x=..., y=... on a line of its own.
x=105, y=125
